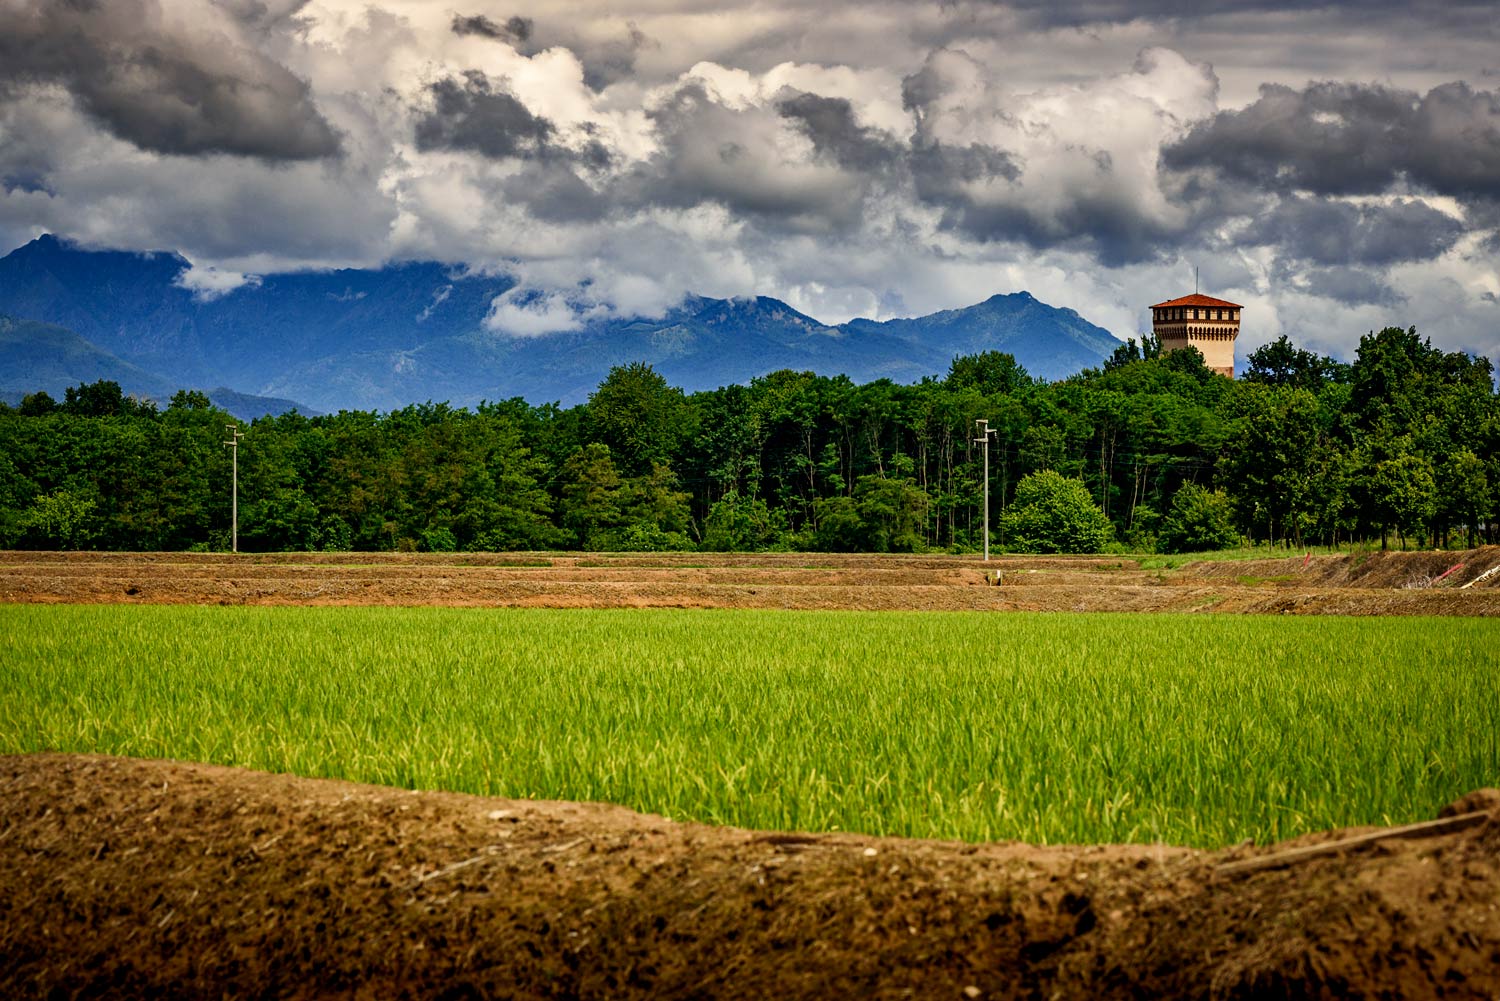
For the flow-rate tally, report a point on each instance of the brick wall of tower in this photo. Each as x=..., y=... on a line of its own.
x=1207, y=329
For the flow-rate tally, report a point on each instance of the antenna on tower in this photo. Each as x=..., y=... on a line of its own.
x=1195, y=279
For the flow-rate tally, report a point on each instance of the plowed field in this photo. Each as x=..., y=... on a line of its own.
x=1363, y=584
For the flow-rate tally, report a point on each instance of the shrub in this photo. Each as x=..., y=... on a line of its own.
x=439, y=540
x=1054, y=514
x=1199, y=520
x=741, y=524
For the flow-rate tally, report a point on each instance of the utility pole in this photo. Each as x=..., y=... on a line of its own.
x=234, y=451
x=984, y=439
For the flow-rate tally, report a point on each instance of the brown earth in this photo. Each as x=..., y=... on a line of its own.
x=1394, y=583
x=123, y=878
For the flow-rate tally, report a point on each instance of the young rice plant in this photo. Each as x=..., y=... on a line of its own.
x=1199, y=730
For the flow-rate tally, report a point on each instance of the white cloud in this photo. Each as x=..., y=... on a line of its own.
x=208, y=283
x=528, y=313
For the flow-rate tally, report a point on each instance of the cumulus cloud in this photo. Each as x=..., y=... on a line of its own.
x=1070, y=166
x=879, y=158
x=168, y=84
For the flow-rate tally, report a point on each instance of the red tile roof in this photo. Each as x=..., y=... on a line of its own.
x=1197, y=300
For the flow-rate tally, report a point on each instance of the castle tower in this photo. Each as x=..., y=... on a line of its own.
x=1208, y=324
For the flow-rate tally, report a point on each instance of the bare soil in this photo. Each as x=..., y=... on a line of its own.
x=1411, y=583
x=123, y=878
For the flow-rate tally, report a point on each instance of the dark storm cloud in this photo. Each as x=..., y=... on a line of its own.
x=942, y=171
x=611, y=61
x=830, y=124
x=262, y=14
x=1323, y=231
x=515, y=29
x=171, y=91
x=973, y=185
x=472, y=115
x=1349, y=286
x=708, y=153
x=553, y=192
x=985, y=192
x=1106, y=225
x=1349, y=138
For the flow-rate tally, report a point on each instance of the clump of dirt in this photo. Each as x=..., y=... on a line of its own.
x=126, y=879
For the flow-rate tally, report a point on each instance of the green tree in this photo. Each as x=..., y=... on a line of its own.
x=738, y=524
x=1198, y=521
x=1280, y=363
x=104, y=399
x=1188, y=361
x=37, y=404
x=592, y=495
x=1149, y=349
x=1054, y=514
x=63, y=519
x=657, y=514
x=990, y=372
x=892, y=512
x=1465, y=498
x=1272, y=465
x=639, y=416
x=1404, y=493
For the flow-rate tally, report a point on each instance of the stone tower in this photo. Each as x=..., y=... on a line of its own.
x=1208, y=324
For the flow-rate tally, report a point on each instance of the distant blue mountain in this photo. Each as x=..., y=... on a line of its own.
x=40, y=356
x=415, y=331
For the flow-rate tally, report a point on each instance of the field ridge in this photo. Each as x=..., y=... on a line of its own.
x=148, y=879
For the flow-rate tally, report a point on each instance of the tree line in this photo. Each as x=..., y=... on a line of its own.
x=1151, y=451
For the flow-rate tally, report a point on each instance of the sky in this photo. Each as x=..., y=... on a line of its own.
x=1335, y=169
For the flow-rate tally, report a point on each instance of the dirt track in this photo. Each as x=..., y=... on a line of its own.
x=1365, y=584
x=132, y=879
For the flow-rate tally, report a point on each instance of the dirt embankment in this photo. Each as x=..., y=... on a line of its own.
x=133, y=879
x=1452, y=570
x=1368, y=584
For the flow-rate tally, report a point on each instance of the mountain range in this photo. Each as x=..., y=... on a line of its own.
x=379, y=339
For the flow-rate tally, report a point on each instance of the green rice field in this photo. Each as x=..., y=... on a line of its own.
x=1187, y=729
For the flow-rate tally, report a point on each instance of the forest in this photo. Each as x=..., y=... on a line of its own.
x=1150, y=452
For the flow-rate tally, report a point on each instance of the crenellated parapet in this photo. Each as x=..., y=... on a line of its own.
x=1208, y=324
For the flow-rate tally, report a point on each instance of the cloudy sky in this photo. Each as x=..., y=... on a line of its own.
x=1335, y=169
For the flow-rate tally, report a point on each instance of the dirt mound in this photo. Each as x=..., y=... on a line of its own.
x=126, y=878
x=1323, y=585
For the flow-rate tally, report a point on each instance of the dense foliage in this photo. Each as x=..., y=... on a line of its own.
x=1403, y=443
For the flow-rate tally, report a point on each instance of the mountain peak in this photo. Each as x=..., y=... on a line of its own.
x=1020, y=297
x=49, y=247
x=328, y=339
